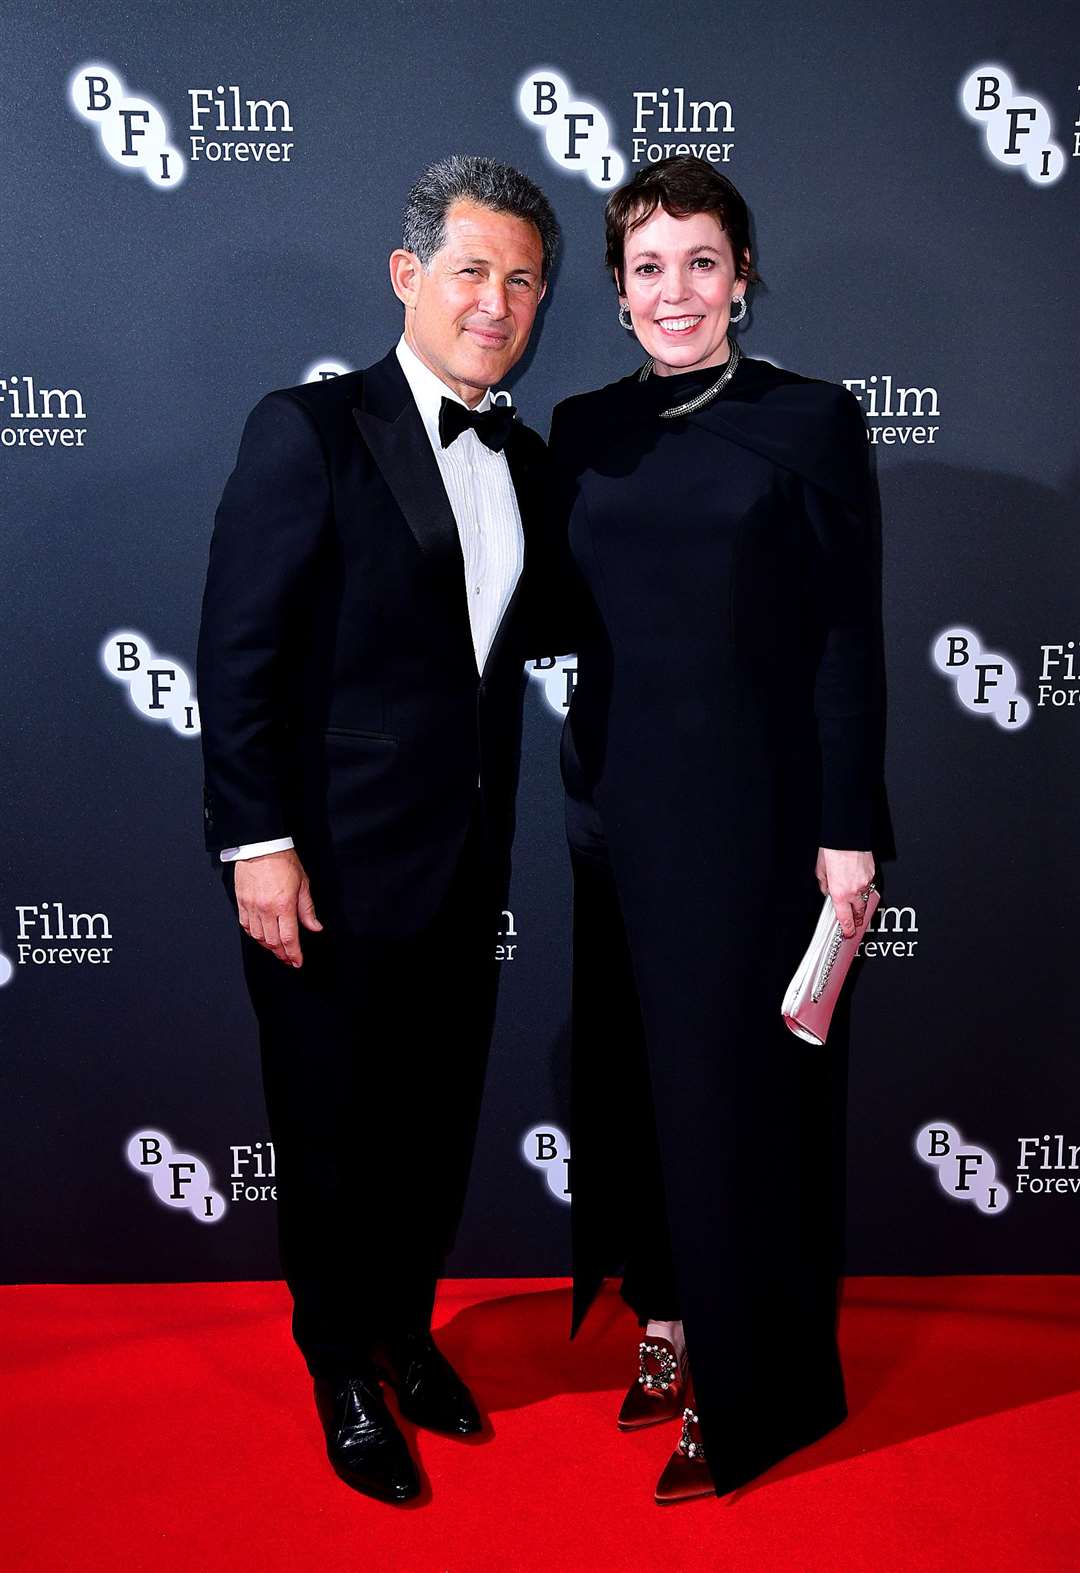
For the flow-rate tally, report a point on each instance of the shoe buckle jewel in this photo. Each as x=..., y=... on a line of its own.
x=661, y=1380
x=688, y=1449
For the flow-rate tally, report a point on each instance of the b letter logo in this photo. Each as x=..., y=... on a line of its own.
x=178, y=1179
x=159, y=686
x=986, y=684
x=1017, y=127
x=965, y=1172
x=546, y=1148
x=133, y=131
x=325, y=370
x=575, y=132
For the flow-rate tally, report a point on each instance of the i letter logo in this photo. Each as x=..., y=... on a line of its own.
x=133, y=131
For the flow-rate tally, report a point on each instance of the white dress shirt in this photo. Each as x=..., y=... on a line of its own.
x=484, y=503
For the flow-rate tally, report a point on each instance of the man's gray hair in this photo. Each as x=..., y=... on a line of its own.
x=485, y=182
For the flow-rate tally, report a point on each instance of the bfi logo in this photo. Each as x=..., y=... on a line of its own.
x=574, y=131
x=965, y=1172
x=545, y=1147
x=177, y=1179
x=986, y=684
x=158, y=685
x=134, y=133
x=557, y=675
x=1017, y=127
x=132, y=130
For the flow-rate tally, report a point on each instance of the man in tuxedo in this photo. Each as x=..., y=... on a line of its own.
x=360, y=679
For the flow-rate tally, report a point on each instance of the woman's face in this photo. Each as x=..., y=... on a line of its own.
x=679, y=278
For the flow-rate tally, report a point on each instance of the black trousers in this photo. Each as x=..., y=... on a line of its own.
x=373, y=1058
x=605, y=1010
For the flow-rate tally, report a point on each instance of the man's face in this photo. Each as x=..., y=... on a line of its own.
x=469, y=315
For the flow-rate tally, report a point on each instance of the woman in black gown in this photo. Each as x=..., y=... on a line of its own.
x=723, y=764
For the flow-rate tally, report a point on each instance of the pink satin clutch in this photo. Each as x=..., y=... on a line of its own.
x=814, y=990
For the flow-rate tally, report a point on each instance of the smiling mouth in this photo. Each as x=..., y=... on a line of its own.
x=676, y=325
x=494, y=340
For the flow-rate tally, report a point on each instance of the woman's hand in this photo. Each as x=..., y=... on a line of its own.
x=845, y=876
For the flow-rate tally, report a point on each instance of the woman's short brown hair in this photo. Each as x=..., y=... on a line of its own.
x=681, y=186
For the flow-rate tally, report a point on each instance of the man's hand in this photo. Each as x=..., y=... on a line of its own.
x=273, y=897
x=844, y=876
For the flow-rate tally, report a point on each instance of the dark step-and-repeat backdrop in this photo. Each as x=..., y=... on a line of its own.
x=199, y=204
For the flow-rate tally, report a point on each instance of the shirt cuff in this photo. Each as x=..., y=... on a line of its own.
x=255, y=849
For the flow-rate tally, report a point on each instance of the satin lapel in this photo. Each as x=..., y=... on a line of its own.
x=522, y=474
x=390, y=424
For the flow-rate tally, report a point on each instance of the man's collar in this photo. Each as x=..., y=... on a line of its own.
x=427, y=389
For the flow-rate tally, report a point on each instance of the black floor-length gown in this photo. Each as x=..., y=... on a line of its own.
x=727, y=721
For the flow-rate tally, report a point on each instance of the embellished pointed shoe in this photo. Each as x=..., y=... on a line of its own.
x=686, y=1474
x=363, y=1444
x=660, y=1390
x=429, y=1391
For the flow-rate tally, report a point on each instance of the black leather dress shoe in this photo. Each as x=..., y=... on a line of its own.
x=430, y=1393
x=363, y=1443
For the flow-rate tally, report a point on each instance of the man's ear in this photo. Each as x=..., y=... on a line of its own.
x=405, y=271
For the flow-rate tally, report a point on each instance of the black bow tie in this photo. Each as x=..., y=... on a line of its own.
x=492, y=426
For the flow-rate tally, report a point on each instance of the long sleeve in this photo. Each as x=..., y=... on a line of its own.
x=267, y=533
x=555, y=610
x=849, y=682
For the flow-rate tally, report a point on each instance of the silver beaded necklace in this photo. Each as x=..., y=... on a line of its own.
x=702, y=398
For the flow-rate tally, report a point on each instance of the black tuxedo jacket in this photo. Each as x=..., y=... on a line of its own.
x=338, y=692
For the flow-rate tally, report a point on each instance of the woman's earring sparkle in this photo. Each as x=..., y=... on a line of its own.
x=740, y=301
x=625, y=320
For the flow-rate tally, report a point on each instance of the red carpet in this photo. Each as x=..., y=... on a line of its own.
x=169, y=1429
